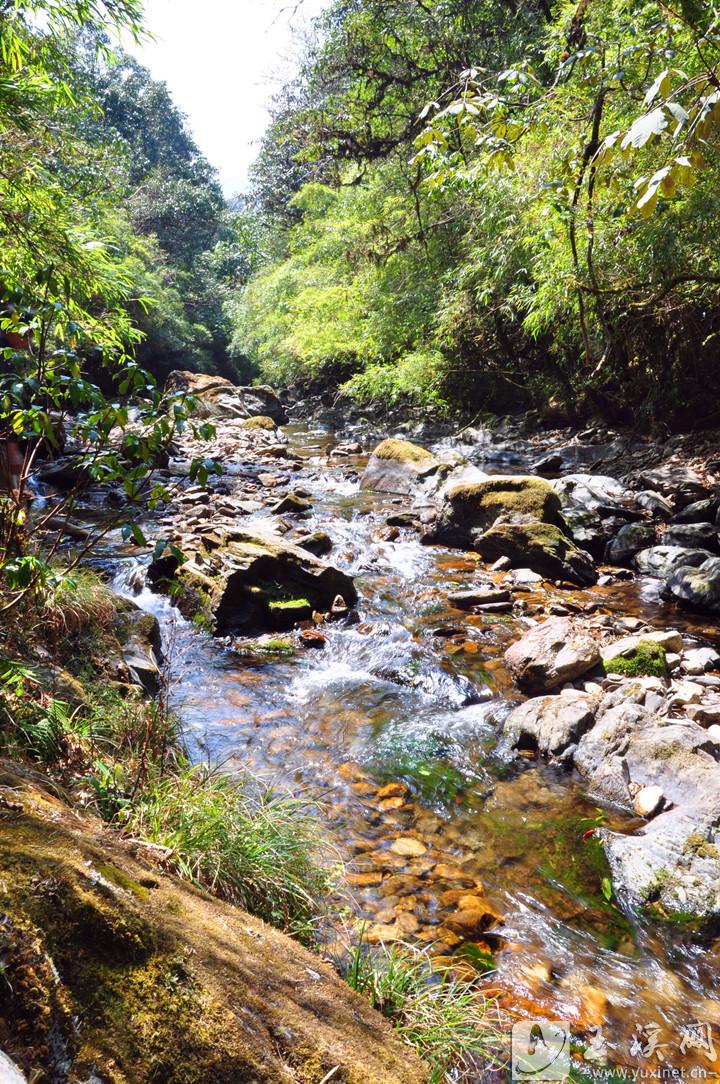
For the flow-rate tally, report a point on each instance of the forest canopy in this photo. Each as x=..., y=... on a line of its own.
x=495, y=204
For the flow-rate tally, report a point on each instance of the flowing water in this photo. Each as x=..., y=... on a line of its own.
x=394, y=724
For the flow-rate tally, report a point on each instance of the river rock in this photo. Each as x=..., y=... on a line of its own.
x=696, y=588
x=587, y=529
x=478, y=596
x=691, y=536
x=260, y=421
x=138, y=634
x=654, y=503
x=399, y=466
x=648, y=801
x=671, y=864
x=630, y=539
x=318, y=542
x=698, y=660
x=550, y=724
x=293, y=504
x=542, y=547
x=596, y=492
x=669, y=639
x=472, y=508
x=661, y=561
x=551, y=654
x=698, y=512
x=677, y=481
x=220, y=398
x=244, y=583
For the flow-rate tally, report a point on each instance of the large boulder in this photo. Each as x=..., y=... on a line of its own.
x=471, y=508
x=691, y=536
x=221, y=399
x=551, y=654
x=551, y=724
x=677, y=481
x=696, y=588
x=630, y=539
x=661, y=561
x=399, y=466
x=540, y=546
x=516, y=517
x=243, y=583
x=672, y=865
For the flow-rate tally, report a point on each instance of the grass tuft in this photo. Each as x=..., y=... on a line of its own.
x=446, y=1018
x=248, y=843
x=77, y=599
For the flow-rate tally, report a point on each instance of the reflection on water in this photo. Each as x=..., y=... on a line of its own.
x=394, y=723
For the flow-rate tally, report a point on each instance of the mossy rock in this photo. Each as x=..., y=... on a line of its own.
x=259, y=421
x=540, y=546
x=246, y=584
x=113, y=970
x=648, y=659
x=399, y=466
x=470, y=508
x=403, y=451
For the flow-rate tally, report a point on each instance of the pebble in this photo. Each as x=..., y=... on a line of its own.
x=408, y=847
x=648, y=801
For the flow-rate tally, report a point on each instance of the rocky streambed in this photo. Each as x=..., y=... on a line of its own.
x=496, y=662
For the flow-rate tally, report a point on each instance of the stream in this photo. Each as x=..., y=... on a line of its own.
x=393, y=724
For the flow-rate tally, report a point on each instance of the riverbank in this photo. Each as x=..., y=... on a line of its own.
x=393, y=706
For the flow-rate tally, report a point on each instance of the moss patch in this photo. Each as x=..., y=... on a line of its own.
x=259, y=421
x=648, y=659
x=486, y=501
x=403, y=451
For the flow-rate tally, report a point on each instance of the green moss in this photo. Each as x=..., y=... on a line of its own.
x=648, y=659
x=490, y=499
x=259, y=421
x=403, y=451
x=290, y=604
x=268, y=647
x=700, y=846
x=121, y=880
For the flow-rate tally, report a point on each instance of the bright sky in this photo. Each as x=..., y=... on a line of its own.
x=222, y=60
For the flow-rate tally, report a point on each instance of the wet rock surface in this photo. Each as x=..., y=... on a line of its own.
x=450, y=836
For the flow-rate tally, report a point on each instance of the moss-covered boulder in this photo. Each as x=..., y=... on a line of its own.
x=117, y=972
x=540, y=546
x=242, y=583
x=516, y=517
x=470, y=508
x=259, y=421
x=399, y=466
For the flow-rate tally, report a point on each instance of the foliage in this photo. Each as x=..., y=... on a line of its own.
x=446, y=1018
x=527, y=211
x=246, y=842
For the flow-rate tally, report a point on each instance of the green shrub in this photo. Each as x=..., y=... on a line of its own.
x=447, y=1019
x=246, y=842
x=647, y=660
